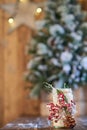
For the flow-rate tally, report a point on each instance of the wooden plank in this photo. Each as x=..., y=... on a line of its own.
x=12, y=88
x=40, y=123
x=2, y=45
x=24, y=34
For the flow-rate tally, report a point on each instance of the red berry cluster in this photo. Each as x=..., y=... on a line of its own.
x=57, y=111
x=64, y=103
x=54, y=112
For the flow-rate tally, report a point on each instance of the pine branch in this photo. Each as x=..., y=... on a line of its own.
x=66, y=86
x=48, y=86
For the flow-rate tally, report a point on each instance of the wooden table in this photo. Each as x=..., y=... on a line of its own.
x=40, y=123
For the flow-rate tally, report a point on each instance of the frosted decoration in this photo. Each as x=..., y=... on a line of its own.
x=66, y=56
x=56, y=29
x=84, y=63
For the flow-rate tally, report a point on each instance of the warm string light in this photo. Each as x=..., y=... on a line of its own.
x=10, y=20
x=38, y=13
x=38, y=10
x=23, y=0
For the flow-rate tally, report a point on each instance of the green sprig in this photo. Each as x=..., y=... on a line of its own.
x=66, y=86
x=48, y=86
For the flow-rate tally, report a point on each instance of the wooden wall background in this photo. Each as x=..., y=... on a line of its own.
x=13, y=101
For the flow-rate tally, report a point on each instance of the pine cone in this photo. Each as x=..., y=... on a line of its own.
x=69, y=121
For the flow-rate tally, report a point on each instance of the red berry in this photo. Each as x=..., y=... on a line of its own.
x=56, y=121
x=56, y=117
x=52, y=114
x=68, y=104
x=49, y=117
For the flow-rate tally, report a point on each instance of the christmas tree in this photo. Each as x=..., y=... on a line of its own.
x=59, y=48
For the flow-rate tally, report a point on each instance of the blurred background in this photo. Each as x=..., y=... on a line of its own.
x=17, y=28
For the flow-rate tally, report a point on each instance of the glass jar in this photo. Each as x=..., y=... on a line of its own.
x=64, y=108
